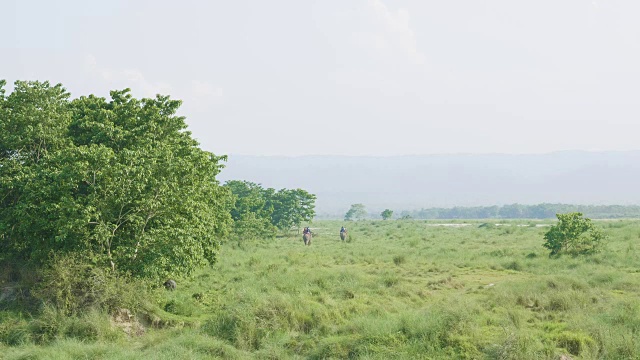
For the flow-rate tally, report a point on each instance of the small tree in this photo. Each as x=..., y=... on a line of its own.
x=573, y=234
x=386, y=214
x=356, y=212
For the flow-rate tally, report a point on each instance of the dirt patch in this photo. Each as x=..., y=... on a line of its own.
x=125, y=320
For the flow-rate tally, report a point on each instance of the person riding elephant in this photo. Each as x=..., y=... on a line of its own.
x=306, y=236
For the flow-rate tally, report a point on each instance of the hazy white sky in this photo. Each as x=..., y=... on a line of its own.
x=361, y=77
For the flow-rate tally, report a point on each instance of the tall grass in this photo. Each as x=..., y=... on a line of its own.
x=403, y=289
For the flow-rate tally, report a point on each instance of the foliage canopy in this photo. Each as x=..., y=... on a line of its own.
x=257, y=211
x=386, y=214
x=356, y=212
x=119, y=181
x=573, y=234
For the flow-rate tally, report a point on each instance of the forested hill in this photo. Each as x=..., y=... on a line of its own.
x=417, y=182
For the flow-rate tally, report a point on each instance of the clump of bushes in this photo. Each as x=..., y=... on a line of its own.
x=573, y=234
x=513, y=265
x=73, y=286
x=69, y=298
x=52, y=324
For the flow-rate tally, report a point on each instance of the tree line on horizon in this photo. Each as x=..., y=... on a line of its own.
x=519, y=211
x=512, y=211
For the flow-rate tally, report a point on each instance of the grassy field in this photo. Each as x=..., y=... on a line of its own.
x=395, y=289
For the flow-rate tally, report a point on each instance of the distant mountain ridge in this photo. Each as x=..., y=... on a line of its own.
x=416, y=182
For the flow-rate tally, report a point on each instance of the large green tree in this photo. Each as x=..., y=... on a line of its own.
x=119, y=181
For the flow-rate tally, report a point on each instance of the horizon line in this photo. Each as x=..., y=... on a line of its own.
x=436, y=154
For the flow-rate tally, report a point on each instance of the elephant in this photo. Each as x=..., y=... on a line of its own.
x=307, y=238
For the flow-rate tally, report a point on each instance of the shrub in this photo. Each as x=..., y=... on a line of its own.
x=577, y=343
x=573, y=234
x=72, y=286
x=513, y=265
x=14, y=332
x=47, y=326
x=399, y=259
